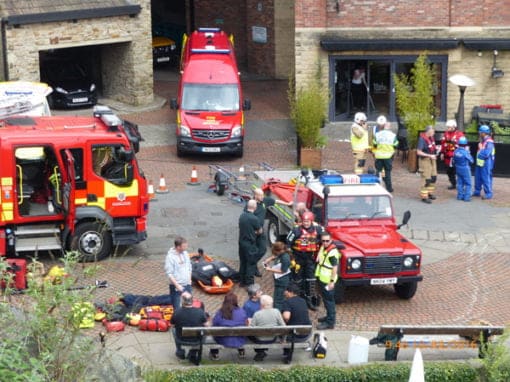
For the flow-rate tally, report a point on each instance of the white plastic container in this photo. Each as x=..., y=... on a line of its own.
x=358, y=350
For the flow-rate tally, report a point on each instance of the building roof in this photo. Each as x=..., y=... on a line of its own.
x=16, y=12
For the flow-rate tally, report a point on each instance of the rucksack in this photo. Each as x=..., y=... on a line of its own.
x=320, y=345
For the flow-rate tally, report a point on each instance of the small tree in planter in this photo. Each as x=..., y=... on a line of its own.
x=308, y=112
x=415, y=102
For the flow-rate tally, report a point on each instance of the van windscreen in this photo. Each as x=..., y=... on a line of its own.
x=207, y=97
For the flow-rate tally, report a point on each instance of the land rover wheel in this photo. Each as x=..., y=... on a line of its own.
x=339, y=292
x=273, y=230
x=93, y=240
x=406, y=290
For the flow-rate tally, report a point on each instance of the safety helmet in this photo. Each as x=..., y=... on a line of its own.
x=463, y=141
x=308, y=216
x=484, y=129
x=451, y=123
x=360, y=117
x=381, y=120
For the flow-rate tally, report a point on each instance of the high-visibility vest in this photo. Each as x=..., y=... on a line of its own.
x=386, y=141
x=359, y=144
x=481, y=162
x=324, y=266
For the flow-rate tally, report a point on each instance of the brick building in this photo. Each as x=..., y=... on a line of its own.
x=384, y=37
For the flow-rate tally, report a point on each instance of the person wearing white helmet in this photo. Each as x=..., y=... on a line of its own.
x=359, y=142
x=449, y=142
x=385, y=142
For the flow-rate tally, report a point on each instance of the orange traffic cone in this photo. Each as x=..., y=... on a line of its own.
x=150, y=191
x=162, y=189
x=194, y=177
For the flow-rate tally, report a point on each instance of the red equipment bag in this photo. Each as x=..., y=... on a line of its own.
x=114, y=326
x=153, y=325
x=157, y=311
x=18, y=268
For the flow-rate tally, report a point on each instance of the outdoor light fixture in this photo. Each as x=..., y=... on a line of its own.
x=495, y=72
x=462, y=82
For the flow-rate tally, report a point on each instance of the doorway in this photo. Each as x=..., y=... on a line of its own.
x=365, y=84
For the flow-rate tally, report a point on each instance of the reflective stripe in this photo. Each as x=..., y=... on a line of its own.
x=324, y=266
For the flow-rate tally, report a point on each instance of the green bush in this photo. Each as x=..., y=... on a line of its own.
x=415, y=98
x=377, y=372
x=40, y=338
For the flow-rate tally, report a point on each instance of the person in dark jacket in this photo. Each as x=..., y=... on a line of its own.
x=249, y=231
x=186, y=315
x=278, y=264
x=230, y=314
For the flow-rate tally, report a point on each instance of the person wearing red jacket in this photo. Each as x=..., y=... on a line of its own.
x=449, y=142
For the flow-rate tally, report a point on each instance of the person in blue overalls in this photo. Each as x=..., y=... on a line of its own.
x=462, y=159
x=485, y=157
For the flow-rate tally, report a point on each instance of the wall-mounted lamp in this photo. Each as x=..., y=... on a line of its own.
x=495, y=72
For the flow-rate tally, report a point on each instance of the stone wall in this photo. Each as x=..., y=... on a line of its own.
x=124, y=44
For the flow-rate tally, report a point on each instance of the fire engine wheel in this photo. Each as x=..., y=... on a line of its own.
x=93, y=240
x=273, y=231
x=406, y=290
x=339, y=293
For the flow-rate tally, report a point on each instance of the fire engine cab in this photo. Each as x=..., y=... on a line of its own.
x=70, y=183
x=358, y=213
x=210, y=118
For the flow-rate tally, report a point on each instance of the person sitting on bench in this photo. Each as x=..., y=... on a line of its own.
x=187, y=315
x=266, y=316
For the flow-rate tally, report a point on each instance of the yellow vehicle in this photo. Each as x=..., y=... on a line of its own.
x=164, y=50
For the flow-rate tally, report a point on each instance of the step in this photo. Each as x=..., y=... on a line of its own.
x=36, y=230
x=30, y=244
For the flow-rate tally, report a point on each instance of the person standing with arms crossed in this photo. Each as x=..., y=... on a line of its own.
x=249, y=231
x=178, y=270
x=426, y=151
x=385, y=142
x=326, y=272
x=485, y=157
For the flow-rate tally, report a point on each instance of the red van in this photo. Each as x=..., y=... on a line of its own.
x=210, y=116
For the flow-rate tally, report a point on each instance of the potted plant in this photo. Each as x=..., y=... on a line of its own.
x=415, y=102
x=308, y=113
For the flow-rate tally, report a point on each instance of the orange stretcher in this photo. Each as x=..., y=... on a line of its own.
x=226, y=285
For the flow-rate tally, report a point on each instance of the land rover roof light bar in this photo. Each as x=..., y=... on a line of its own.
x=109, y=119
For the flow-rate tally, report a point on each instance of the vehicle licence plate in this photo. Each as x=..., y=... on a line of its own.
x=81, y=99
x=163, y=59
x=211, y=149
x=389, y=280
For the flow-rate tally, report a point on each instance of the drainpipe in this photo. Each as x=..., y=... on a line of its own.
x=4, y=51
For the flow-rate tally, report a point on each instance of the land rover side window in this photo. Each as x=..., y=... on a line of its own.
x=113, y=163
x=224, y=97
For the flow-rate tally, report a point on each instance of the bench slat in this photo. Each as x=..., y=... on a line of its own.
x=461, y=330
x=223, y=331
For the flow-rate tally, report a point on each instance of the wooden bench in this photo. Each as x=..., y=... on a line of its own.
x=288, y=333
x=445, y=337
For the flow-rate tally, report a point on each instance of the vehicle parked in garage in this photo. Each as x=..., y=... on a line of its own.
x=164, y=50
x=72, y=84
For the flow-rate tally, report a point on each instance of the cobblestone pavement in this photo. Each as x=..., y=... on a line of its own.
x=466, y=261
x=465, y=245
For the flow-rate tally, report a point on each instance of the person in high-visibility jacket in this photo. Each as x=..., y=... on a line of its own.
x=326, y=272
x=359, y=142
x=485, y=157
x=385, y=142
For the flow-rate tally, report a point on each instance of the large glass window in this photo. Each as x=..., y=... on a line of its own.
x=366, y=84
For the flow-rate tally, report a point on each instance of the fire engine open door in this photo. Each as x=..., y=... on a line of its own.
x=69, y=188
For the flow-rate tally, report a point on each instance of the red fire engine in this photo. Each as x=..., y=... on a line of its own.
x=70, y=183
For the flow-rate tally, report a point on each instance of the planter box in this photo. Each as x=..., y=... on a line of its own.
x=310, y=158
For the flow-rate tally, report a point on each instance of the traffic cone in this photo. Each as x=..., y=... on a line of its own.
x=194, y=177
x=162, y=189
x=241, y=173
x=150, y=191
